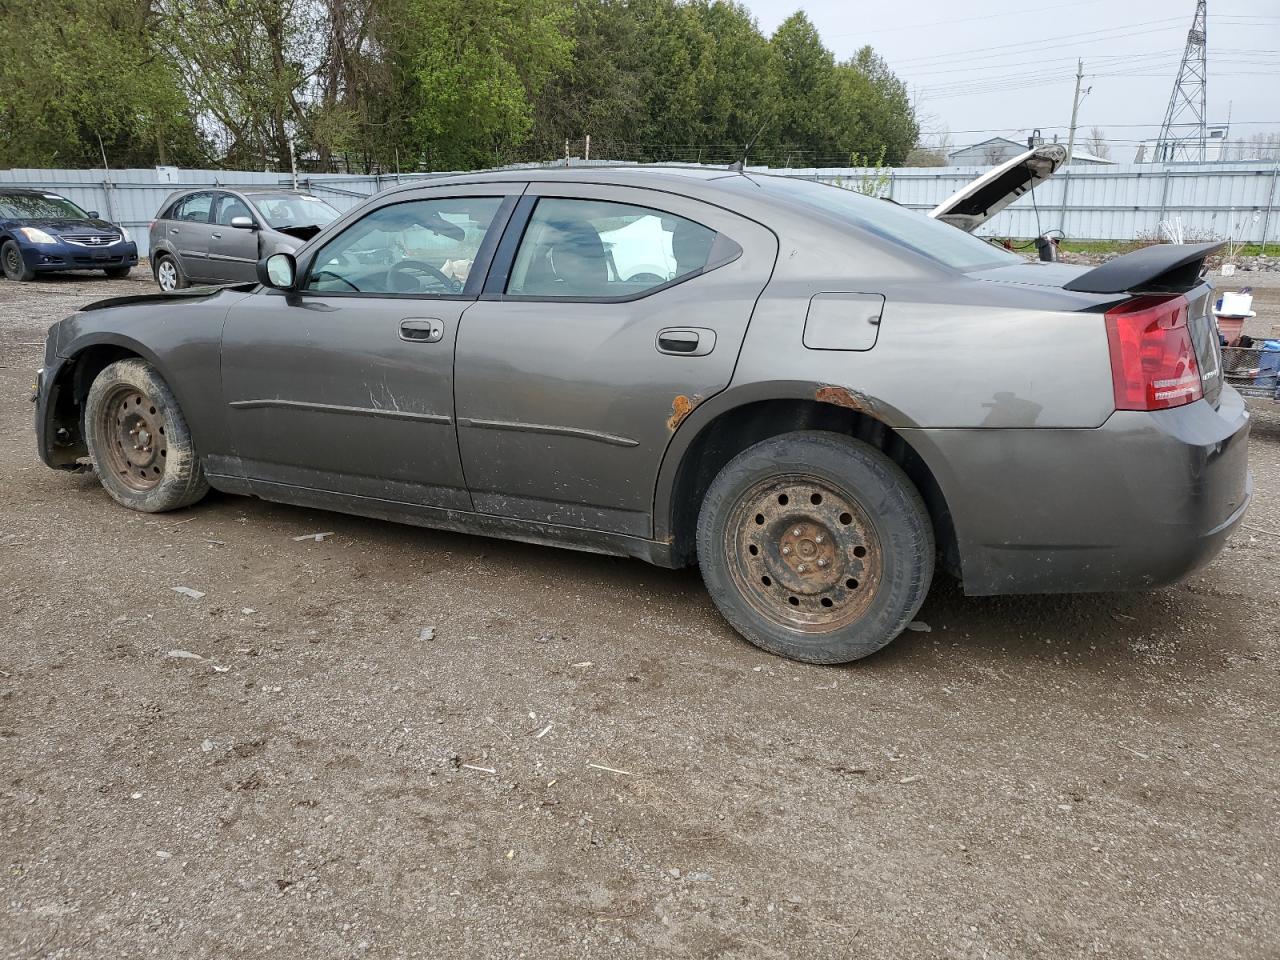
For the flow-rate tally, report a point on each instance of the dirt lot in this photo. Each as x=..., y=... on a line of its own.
x=585, y=761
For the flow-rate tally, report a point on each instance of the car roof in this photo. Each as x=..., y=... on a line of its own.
x=601, y=173
x=248, y=191
x=26, y=192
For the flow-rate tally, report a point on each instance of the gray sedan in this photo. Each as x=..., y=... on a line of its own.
x=218, y=236
x=818, y=397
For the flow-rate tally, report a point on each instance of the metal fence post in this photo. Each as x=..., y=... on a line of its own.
x=1271, y=202
x=1164, y=199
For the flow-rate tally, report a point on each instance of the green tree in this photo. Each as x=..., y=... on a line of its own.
x=72, y=71
x=808, y=88
x=472, y=69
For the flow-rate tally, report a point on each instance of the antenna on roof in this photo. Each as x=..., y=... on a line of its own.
x=737, y=165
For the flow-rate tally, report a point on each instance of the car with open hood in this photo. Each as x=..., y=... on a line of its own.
x=819, y=398
x=218, y=235
x=44, y=232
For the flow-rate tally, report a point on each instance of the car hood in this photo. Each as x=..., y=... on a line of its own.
x=977, y=202
x=60, y=225
x=303, y=233
x=175, y=296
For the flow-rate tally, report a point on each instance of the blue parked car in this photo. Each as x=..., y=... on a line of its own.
x=41, y=232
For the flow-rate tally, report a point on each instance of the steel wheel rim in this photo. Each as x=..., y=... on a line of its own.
x=133, y=432
x=803, y=553
x=13, y=261
x=168, y=275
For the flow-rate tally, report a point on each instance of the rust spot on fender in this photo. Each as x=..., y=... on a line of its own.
x=681, y=407
x=843, y=397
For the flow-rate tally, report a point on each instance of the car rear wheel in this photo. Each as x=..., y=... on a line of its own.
x=139, y=441
x=15, y=268
x=815, y=546
x=168, y=276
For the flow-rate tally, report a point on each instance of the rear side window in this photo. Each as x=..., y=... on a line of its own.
x=597, y=249
x=194, y=208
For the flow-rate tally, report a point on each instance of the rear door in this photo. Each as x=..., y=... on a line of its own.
x=189, y=232
x=609, y=313
x=233, y=251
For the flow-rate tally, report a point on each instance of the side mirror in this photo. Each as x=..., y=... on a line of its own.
x=93, y=214
x=279, y=271
x=243, y=223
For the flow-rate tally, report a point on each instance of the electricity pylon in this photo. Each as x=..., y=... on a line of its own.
x=1183, y=135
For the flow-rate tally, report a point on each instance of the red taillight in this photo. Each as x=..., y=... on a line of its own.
x=1153, y=360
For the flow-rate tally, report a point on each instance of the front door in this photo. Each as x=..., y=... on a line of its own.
x=233, y=251
x=610, y=312
x=346, y=386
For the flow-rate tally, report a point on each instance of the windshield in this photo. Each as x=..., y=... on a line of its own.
x=940, y=242
x=39, y=206
x=291, y=210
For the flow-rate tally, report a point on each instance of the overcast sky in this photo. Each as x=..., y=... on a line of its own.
x=985, y=68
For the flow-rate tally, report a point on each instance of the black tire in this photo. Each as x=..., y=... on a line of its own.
x=815, y=546
x=139, y=441
x=163, y=264
x=15, y=268
x=117, y=273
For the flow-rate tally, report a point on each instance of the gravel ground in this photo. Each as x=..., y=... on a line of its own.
x=585, y=761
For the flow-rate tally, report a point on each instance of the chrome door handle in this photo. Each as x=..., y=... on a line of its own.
x=173, y=229
x=427, y=330
x=686, y=341
x=216, y=236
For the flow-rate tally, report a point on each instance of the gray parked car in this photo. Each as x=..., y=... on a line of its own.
x=218, y=236
x=814, y=395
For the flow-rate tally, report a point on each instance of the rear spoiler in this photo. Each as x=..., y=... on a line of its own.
x=1163, y=268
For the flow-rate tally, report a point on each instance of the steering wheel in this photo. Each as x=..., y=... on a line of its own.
x=646, y=278
x=449, y=283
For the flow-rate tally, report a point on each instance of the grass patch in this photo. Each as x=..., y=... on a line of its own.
x=1128, y=246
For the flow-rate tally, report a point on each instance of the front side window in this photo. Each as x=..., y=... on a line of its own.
x=38, y=206
x=603, y=250
x=194, y=208
x=230, y=207
x=424, y=247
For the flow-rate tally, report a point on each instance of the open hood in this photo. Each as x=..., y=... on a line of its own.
x=979, y=201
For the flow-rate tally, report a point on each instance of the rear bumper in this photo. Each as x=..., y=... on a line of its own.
x=1139, y=502
x=49, y=257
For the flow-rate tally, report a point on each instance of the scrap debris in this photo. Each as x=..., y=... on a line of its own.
x=317, y=537
x=188, y=592
x=597, y=766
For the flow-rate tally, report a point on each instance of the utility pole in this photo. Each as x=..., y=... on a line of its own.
x=1075, y=110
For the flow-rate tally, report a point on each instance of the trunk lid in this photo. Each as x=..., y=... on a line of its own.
x=1204, y=334
x=977, y=202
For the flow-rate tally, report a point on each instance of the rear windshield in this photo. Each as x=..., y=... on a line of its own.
x=940, y=242
x=38, y=206
x=291, y=210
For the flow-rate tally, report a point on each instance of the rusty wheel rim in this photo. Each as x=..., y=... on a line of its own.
x=133, y=431
x=804, y=554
